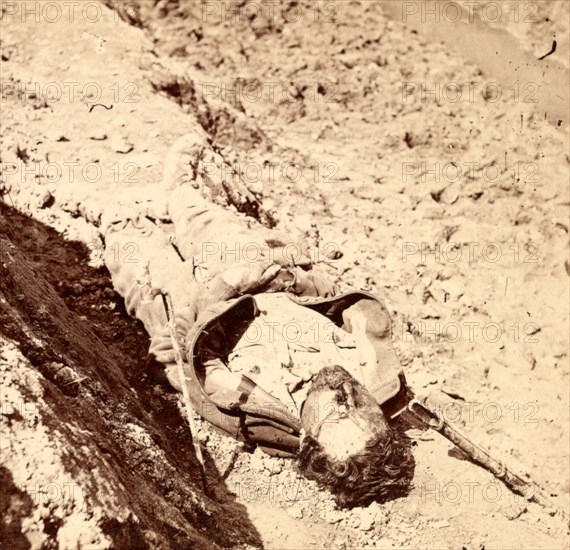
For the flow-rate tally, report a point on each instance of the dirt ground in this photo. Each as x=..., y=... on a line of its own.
x=426, y=160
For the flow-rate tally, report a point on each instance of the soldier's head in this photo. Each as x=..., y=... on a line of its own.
x=348, y=446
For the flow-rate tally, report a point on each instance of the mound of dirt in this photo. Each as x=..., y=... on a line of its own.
x=95, y=453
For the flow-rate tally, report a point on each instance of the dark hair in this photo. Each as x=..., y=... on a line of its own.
x=381, y=471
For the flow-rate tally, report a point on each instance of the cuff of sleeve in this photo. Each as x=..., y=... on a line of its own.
x=219, y=290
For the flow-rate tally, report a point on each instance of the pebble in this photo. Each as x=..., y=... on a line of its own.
x=273, y=465
x=333, y=516
x=367, y=519
x=296, y=512
x=354, y=522
x=45, y=199
x=121, y=145
x=514, y=511
x=450, y=194
x=366, y=525
x=423, y=379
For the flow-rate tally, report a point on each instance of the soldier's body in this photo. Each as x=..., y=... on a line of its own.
x=274, y=354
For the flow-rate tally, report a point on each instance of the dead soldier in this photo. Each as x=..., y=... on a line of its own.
x=274, y=355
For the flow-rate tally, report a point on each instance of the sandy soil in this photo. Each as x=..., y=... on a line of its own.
x=416, y=194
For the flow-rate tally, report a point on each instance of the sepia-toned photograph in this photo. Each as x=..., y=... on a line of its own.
x=284, y=274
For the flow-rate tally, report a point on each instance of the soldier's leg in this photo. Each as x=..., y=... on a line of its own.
x=132, y=243
x=192, y=161
x=211, y=237
x=217, y=242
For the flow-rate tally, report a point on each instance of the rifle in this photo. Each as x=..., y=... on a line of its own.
x=145, y=283
x=167, y=301
x=529, y=490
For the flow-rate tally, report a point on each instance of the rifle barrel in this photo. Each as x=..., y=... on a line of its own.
x=529, y=490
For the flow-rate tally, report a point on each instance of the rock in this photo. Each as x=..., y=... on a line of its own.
x=423, y=379
x=256, y=461
x=333, y=516
x=367, y=520
x=367, y=525
x=450, y=194
x=295, y=511
x=121, y=145
x=98, y=135
x=45, y=199
x=514, y=511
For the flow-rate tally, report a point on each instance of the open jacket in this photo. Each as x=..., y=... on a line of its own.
x=227, y=298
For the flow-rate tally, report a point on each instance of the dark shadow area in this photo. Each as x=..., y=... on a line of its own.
x=14, y=505
x=97, y=376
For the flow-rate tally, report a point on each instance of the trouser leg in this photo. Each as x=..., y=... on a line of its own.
x=214, y=238
x=132, y=244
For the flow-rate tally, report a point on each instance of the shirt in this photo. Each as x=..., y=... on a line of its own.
x=288, y=344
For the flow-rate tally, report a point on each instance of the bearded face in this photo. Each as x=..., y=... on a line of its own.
x=341, y=414
x=348, y=446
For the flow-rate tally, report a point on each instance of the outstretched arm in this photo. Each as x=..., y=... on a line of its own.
x=369, y=322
